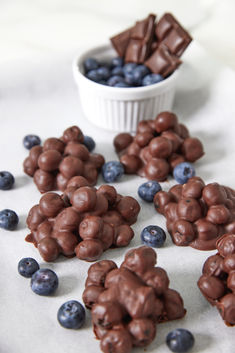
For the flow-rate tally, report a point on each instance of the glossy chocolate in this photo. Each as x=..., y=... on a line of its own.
x=126, y=303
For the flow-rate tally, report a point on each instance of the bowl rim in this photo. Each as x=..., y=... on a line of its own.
x=78, y=75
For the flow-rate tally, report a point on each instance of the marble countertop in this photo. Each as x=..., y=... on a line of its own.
x=38, y=95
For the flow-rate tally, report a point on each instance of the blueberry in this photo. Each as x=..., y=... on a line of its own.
x=113, y=80
x=129, y=67
x=103, y=82
x=112, y=171
x=94, y=75
x=151, y=79
x=183, y=171
x=180, y=340
x=31, y=140
x=147, y=190
x=153, y=236
x=139, y=72
x=91, y=64
x=8, y=219
x=117, y=61
x=104, y=72
x=27, y=267
x=121, y=84
x=117, y=71
x=6, y=180
x=71, y=314
x=130, y=79
x=89, y=143
x=44, y=282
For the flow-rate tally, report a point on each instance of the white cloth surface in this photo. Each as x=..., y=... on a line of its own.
x=40, y=97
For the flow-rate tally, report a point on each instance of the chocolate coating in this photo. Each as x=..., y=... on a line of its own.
x=71, y=166
x=192, y=149
x=122, y=141
x=45, y=181
x=50, y=204
x=157, y=169
x=131, y=163
x=160, y=147
x=48, y=249
x=49, y=160
x=73, y=133
x=77, y=150
x=89, y=249
x=129, y=301
x=52, y=143
x=84, y=199
x=166, y=121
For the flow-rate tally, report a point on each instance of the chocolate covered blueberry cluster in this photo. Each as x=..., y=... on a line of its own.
x=217, y=282
x=158, y=146
x=197, y=214
x=84, y=221
x=59, y=159
x=126, y=303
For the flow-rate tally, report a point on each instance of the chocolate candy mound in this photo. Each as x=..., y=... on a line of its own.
x=126, y=303
x=84, y=221
x=158, y=146
x=217, y=282
x=197, y=214
x=54, y=164
x=156, y=44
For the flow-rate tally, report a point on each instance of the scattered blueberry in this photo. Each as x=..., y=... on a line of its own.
x=117, y=61
x=118, y=70
x=121, y=84
x=31, y=140
x=6, y=180
x=89, y=143
x=94, y=75
x=91, y=64
x=104, y=72
x=8, y=219
x=129, y=67
x=182, y=172
x=113, y=80
x=44, y=282
x=112, y=171
x=71, y=314
x=130, y=79
x=147, y=190
x=180, y=340
x=151, y=79
x=153, y=236
x=27, y=267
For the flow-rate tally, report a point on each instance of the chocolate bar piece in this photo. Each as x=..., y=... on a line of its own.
x=172, y=34
x=120, y=41
x=162, y=61
x=141, y=38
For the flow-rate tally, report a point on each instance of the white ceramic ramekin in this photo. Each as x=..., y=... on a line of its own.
x=120, y=109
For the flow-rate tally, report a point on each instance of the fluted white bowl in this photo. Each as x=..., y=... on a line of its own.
x=115, y=108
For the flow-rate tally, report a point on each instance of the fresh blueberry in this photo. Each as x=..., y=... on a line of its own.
x=71, y=314
x=103, y=82
x=104, y=72
x=31, y=140
x=139, y=72
x=151, y=79
x=27, y=267
x=94, y=75
x=117, y=61
x=180, y=340
x=8, y=219
x=153, y=236
x=113, y=80
x=147, y=190
x=183, y=172
x=44, y=282
x=130, y=79
x=89, y=143
x=112, y=171
x=6, y=180
x=129, y=67
x=118, y=70
x=121, y=84
x=91, y=64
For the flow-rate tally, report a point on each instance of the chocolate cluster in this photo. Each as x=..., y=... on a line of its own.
x=158, y=146
x=156, y=44
x=217, y=282
x=197, y=214
x=127, y=302
x=58, y=160
x=84, y=221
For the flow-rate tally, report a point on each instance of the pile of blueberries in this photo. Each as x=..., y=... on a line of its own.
x=118, y=74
